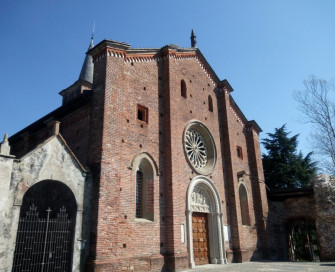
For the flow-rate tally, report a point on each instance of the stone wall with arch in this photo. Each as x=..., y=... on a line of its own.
x=295, y=204
x=315, y=204
x=52, y=160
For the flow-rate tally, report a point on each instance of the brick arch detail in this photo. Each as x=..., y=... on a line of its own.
x=140, y=157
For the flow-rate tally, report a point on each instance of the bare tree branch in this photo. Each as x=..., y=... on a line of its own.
x=319, y=109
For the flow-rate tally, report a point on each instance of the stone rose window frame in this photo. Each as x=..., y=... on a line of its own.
x=199, y=148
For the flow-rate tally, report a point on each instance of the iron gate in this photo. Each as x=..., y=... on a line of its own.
x=302, y=240
x=43, y=244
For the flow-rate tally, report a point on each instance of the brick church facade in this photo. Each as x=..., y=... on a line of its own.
x=149, y=160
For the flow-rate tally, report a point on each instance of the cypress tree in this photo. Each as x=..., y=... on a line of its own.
x=283, y=166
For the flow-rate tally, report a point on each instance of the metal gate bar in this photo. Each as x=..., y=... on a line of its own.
x=43, y=244
x=303, y=243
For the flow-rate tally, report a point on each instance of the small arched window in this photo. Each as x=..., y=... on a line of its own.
x=210, y=103
x=244, y=205
x=183, y=90
x=144, y=190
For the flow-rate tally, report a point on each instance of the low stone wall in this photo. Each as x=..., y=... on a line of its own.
x=283, y=207
x=324, y=193
x=316, y=203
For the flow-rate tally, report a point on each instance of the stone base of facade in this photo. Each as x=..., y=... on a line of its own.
x=248, y=254
x=176, y=262
x=243, y=255
x=229, y=255
x=146, y=263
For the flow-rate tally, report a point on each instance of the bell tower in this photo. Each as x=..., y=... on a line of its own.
x=85, y=80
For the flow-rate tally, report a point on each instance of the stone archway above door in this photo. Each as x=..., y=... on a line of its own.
x=202, y=199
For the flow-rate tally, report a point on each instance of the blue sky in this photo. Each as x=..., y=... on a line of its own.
x=265, y=49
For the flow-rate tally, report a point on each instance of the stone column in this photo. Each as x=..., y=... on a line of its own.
x=223, y=259
x=190, y=237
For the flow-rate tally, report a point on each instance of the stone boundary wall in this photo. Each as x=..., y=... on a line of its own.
x=324, y=193
x=316, y=203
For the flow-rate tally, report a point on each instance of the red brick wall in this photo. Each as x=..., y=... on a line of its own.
x=119, y=235
x=194, y=107
x=75, y=130
x=236, y=133
x=258, y=188
x=118, y=87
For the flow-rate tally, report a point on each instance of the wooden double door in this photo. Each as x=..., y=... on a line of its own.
x=200, y=238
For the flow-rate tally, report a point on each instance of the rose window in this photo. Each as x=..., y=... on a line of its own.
x=196, y=148
x=199, y=148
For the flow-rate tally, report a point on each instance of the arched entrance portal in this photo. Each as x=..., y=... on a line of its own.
x=302, y=240
x=45, y=233
x=204, y=223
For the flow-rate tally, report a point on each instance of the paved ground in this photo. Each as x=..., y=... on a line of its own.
x=266, y=267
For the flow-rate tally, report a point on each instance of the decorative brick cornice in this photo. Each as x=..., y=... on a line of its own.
x=186, y=55
x=207, y=68
x=225, y=85
x=113, y=52
x=142, y=57
x=208, y=73
x=254, y=126
x=99, y=55
x=237, y=112
x=122, y=50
